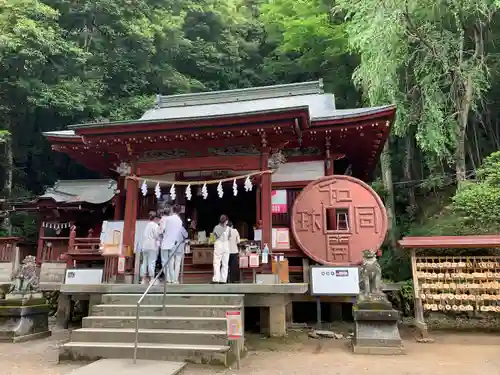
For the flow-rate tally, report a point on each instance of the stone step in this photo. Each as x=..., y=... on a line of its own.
x=156, y=322
x=170, y=310
x=126, y=366
x=174, y=299
x=151, y=336
x=91, y=351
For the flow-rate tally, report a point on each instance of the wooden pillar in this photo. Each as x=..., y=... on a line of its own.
x=118, y=199
x=258, y=220
x=39, y=250
x=418, y=305
x=131, y=198
x=329, y=171
x=266, y=188
x=71, y=247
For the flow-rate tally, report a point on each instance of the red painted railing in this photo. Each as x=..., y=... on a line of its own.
x=8, y=248
x=68, y=249
x=52, y=249
x=83, y=246
x=110, y=268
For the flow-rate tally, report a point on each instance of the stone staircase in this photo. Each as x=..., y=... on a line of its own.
x=192, y=329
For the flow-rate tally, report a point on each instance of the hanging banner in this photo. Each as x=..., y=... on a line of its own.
x=248, y=185
x=56, y=226
x=278, y=202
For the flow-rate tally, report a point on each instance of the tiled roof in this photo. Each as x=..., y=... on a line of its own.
x=239, y=102
x=75, y=191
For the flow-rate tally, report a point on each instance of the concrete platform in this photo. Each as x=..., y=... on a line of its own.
x=127, y=367
x=299, y=288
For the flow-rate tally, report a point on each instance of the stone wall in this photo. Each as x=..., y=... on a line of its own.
x=52, y=273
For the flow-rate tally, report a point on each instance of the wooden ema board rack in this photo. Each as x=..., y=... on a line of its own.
x=459, y=284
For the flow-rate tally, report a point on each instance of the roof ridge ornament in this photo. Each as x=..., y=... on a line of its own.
x=240, y=95
x=124, y=169
x=275, y=160
x=101, y=120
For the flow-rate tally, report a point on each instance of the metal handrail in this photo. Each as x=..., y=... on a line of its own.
x=164, y=271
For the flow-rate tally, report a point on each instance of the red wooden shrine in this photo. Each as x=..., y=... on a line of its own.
x=70, y=215
x=236, y=132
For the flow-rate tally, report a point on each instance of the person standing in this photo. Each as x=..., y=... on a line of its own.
x=234, y=267
x=178, y=256
x=221, y=251
x=172, y=228
x=150, y=246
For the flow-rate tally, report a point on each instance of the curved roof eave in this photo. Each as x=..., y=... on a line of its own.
x=345, y=114
x=61, y=134
x=201, y=117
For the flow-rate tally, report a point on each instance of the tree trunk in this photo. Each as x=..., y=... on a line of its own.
x=385, y=163
x=7, y=187
x=463, y=116
x=407, y=173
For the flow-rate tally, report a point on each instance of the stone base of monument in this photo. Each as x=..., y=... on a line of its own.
x=376, y=329
x=24, y=317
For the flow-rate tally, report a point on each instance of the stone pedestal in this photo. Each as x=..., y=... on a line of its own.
x=23, y=317
x=376, y=329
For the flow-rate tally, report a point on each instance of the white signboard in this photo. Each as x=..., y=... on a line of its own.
x=299, y=171
x=83, y=276
x=112, y=236
x=334, y=281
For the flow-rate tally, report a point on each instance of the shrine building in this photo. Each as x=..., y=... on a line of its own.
x=188, y=148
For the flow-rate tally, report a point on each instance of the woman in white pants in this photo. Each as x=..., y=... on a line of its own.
x=221, y=251
x=170, y=243
x=150, y=247
x=176, y=262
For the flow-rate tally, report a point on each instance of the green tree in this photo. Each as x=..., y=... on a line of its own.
x=428, y=57
x=306, y=42
x=39, y=67
x=478, y=204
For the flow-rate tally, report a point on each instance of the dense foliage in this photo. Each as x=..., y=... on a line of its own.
x=478, y=204
x=64, y=61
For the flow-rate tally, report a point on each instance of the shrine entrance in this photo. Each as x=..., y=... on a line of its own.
x=336, y=217
x=204, y=213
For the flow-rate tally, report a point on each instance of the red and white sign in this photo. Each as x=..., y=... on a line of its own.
x=278, y=202
x=253, y=260
x=281, y=238
x=234, y=325
x=121, y=265
x=243, y=261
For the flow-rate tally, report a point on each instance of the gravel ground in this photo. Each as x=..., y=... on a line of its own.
x=457, y=354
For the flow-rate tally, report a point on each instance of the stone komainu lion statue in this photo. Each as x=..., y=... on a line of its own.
x=370, y=274
x=26, y=280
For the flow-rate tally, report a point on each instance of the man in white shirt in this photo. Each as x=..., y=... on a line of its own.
x=171, y=235
x=150, y=246
x=234, y=267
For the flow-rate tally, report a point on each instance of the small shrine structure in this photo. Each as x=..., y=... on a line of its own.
x=260, y=147
x=73, y=210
